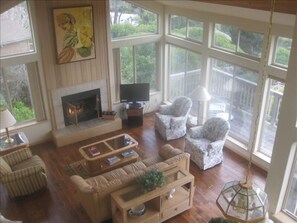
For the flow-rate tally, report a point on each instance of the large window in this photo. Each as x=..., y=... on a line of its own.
x=272, y=108
x=238, y=41
x=233, y=89
x=134, y=40
x=16, y=35
x=127, y=20
x=186, y=28
x=282, y=51
x=19, y=81
x=138, y=64
x=184, y=73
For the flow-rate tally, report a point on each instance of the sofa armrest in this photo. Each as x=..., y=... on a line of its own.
x=167, y=151
x=196, y=132
x=182, y=160
x=215, y=147
x=81, y=184
x=165, y=109
x=17, y=156
x=18, y=175
x=177, y=122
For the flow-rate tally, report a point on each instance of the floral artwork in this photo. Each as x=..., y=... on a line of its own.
x=74, y=34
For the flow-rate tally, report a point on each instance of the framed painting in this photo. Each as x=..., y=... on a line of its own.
x=74, y=31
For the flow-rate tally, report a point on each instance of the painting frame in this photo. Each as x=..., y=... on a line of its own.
x=74, y=34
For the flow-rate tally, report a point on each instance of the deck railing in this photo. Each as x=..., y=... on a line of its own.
x=226, y=88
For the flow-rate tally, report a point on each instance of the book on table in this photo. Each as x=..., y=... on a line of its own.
x=128, y=153
x=94, y=151
x=112, y=160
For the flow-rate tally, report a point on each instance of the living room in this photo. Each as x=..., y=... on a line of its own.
x=101, y=71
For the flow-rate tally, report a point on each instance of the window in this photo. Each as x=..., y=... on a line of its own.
x=16, y=35
x=139, y=65
x=135, y=60
x=273, y=104
x=20, y=86
x=184, y=73
x=186, y=28
x=15, y=89
x=232, y=39
x=128, y=20
x=290, y=204
x=233, y=90
x=282, y=52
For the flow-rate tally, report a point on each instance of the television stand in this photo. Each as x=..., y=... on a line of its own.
x=135, y=104
x=135, y=114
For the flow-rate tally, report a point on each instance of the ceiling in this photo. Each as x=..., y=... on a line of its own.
x=283, y=6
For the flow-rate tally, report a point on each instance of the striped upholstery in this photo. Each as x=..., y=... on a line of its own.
x=22, y=173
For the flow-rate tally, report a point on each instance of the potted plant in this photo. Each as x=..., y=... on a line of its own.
x=151, y=180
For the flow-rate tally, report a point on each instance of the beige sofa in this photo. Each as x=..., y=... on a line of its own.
x=94, y=193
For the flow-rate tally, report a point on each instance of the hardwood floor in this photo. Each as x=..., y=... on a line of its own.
x=57, y=204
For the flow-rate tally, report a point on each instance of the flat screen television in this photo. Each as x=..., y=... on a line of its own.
x=135, y=93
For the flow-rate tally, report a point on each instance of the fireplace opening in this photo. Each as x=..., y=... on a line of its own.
x=81, y=107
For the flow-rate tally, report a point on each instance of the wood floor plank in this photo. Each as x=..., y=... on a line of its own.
x=57, y=203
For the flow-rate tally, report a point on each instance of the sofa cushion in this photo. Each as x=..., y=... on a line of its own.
x=152, y=160
x=134, y=167
x=115, y=174
x=33, y=161
x=97, y=181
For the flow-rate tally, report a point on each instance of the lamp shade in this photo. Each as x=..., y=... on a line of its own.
x=200, y=94
x=243, y=203
x=6, y=119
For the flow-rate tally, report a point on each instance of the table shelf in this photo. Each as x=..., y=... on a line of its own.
x=158, y=207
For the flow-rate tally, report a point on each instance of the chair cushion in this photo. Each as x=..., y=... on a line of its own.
x=33, y=161
x=4, y=167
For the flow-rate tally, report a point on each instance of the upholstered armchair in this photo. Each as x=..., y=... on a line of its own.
x=22, y=173
x=171, y=120
x=205, y=143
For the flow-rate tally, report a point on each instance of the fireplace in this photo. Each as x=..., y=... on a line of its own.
x=81, y=107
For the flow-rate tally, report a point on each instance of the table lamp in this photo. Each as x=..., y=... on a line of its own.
x=200, y=94
x=7, y=120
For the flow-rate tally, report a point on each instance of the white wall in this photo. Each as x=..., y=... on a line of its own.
x=286, y=135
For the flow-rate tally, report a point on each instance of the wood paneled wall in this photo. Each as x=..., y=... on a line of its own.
x=283, y=6
x=70, y=74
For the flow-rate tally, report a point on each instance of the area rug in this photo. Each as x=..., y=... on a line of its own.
x=79, y=167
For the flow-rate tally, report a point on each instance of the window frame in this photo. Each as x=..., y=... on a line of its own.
x=274, y=52
x=33, y=52
x=35, y=83
x=236, y=52
x=130, y=41
x=187, y=29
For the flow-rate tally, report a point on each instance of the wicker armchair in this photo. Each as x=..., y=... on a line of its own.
x=171, y=120
x=205, y=143
x=22, y=173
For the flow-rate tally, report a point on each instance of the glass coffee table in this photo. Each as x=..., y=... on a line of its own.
x=110, y=153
